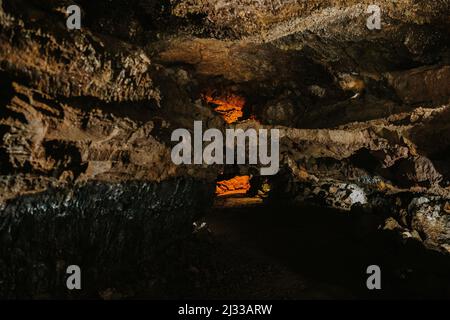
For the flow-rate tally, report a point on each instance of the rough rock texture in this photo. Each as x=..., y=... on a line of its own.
x=86, y=118
x=114, y=231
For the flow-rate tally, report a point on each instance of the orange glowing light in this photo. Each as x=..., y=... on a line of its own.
x=229, y=107
x=237, y=185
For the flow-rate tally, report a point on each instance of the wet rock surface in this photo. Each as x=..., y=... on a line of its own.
x=113, y=230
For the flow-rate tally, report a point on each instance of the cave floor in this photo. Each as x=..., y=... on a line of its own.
x=276, y=252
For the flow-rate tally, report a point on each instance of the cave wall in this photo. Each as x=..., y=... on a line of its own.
x=86, y=117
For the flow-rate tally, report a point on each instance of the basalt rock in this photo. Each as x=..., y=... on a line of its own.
x=115, y=231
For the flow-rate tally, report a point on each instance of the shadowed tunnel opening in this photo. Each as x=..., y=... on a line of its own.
x=325, y=253
x=315, y=251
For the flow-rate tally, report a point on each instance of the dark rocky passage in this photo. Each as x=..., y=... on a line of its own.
x=87, y=177
x=287, y=252
x=316, y=260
